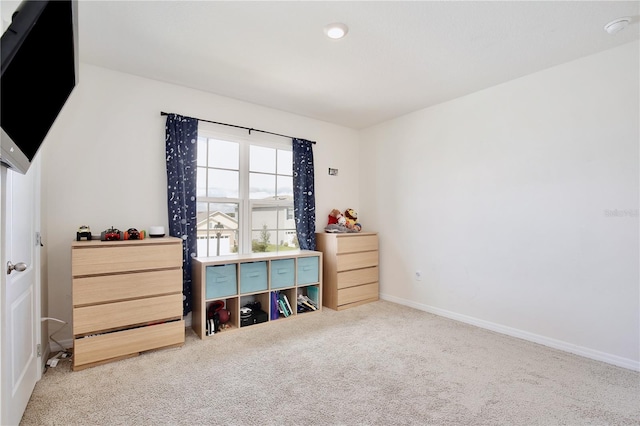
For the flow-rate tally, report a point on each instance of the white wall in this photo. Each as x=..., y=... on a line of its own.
x=502, y=199
x=506, y=201
x=104, y=161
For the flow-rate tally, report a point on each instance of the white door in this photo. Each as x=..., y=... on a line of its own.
x=20, y=307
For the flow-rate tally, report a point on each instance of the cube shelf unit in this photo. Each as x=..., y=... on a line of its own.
x=241, y=279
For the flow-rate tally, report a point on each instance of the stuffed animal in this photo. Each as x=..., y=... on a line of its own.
x=352, y=217
x=335, y=217
x=352, y=220
x=337, y=223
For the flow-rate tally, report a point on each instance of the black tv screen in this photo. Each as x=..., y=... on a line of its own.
x=39, y=62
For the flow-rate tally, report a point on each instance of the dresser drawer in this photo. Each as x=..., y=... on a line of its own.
x=282, y=273
x=357, y=294
x=89, y=319
x=345, y=262
x=253, y=277
x=357, y=277
x=221, y=281
x=355, y=243
x=107, y=259
x=110, y=288
x=121, y=343
x=307, y=270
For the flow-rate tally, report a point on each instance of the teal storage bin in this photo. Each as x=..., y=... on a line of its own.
x=307, y=270
x=282, y=273
x=221, y=281
x=253, y=277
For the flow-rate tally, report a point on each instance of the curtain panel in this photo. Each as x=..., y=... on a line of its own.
x=304, y=196
x=181, y=145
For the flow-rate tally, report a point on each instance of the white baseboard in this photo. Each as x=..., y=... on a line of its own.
x=525, y=335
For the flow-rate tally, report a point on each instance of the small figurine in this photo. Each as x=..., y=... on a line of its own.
x=83, y=232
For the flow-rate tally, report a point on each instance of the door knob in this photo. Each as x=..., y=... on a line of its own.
x=20, y=266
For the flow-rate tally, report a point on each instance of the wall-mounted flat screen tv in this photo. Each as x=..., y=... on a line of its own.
x=39, y=65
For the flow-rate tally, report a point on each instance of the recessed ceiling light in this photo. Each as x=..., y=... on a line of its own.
x=336, y=30
x=617, y=25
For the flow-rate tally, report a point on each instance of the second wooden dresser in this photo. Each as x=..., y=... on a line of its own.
x=350, y=268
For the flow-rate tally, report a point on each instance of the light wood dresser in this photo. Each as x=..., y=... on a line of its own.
x=127, y=298
x=350, y=268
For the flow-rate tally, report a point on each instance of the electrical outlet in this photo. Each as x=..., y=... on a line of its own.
x=418, y=276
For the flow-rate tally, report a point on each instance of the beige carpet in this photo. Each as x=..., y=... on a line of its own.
x=378, y=364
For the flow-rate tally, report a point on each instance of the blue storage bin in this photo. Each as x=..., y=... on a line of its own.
x=307, y=270
x=221, y=281
x=253, y=277
x=282, y=273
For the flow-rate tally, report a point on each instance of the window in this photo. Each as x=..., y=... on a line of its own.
x=244, y=196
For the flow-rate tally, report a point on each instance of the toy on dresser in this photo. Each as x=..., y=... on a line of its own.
x=341, y=223
x=352, y=220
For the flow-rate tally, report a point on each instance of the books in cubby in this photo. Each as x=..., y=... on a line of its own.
x=280, y=305
x=305, y=304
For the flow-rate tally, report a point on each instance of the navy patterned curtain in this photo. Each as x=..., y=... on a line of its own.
x=181, y=147
x=304, y=196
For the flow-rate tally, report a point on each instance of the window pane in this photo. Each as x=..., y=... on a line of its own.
x=223, y=154
x=269, y=240
x=285, y=217
x=262, y=186
x=262, y=159
x=287, y=240
x=273, y=228
x=223, y=183
x=263, y=240
x=285, y=186
x=264, y=216
x=217, y=228
x=201, y=185
x=202, y=151
x=229, y=209
x=201, y=209
x=285, y=162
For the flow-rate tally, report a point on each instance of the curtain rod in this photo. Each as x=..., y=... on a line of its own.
x=250, y=129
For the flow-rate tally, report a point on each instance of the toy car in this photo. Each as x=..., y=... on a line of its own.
x=83, y=232
x=111, y=234
x=132, y=234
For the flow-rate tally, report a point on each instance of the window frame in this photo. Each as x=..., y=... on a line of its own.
x=244, y=202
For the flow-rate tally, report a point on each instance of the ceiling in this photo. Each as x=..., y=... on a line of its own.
x=398, y=57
